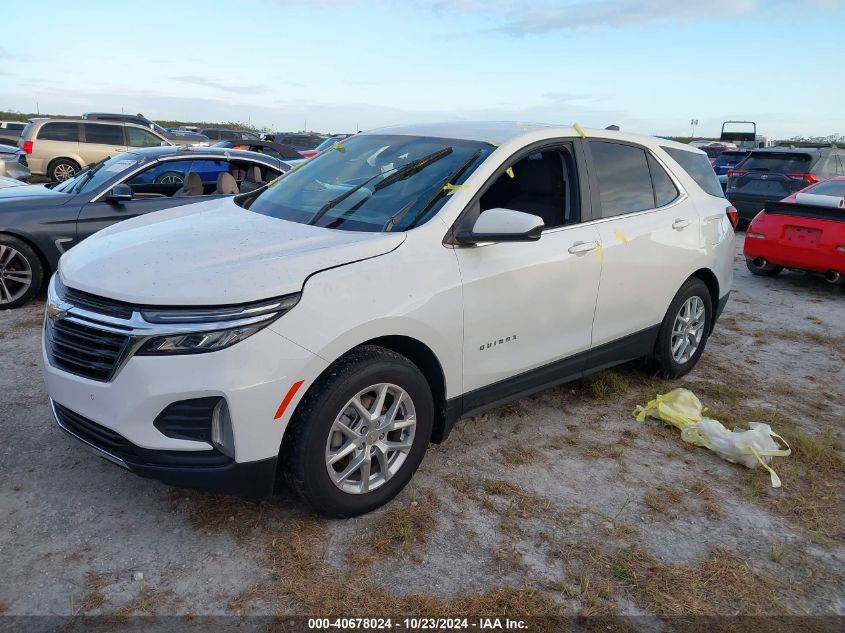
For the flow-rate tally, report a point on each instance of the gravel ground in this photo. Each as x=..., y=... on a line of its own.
x=557, y=504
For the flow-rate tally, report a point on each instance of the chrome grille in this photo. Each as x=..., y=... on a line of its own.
x=83, y=350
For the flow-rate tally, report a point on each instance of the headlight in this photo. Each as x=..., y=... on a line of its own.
x=197, y=333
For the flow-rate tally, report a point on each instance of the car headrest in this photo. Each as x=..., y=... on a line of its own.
x=253, y=174
x=226, y=183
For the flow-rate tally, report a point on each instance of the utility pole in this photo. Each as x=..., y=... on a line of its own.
x=693, y=123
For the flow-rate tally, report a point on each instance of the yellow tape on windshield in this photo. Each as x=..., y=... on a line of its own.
x=492, y=143
x=581, y=132
x=450, y=189
x=339, y=147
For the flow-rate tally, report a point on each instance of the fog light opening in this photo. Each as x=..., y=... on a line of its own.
x=222, y=436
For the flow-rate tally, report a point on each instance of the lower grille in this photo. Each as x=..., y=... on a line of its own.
x=114, y=443
x=84, y=351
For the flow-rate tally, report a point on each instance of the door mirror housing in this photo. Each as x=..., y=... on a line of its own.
x=119, y=194
x=503, y=225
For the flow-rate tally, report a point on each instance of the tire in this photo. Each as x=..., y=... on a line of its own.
x=314, y=438
x=170, y=178
x=62, y=169
x=668, y=361
x=21, y=272
x=769, y=270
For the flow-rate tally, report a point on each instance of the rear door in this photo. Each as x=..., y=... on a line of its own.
x=101, y=140
x=648, y=228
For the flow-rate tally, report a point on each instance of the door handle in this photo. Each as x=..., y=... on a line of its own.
x=579, y=248
x=680, y=223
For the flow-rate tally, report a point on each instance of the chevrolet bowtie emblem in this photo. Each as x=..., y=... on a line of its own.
x=56, y=312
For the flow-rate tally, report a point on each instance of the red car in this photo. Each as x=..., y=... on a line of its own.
x=805, y=237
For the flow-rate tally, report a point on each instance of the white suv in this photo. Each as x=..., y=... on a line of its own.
x=334, y=322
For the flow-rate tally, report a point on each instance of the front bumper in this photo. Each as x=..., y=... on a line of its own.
x=252, y=376
x=250, y=480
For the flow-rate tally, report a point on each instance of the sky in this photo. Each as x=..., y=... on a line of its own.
x=649, y=66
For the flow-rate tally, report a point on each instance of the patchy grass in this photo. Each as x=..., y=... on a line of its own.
x=519, y=455
x=663, y=498
x=94, y=598
x=405, y=527
x=603, y=385
x=833, y=342
x=146, y=602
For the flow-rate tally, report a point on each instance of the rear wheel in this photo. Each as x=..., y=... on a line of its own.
x=359, y=434
x=685, y=329
x=62, y=169
x=769, y=270
x=21, y=272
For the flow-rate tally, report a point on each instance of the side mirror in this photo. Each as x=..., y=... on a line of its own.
x=503, y=225
x=119, y=194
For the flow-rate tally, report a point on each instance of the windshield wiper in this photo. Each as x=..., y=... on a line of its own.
x=394, y=220
x=87, y=175
x=411, y=167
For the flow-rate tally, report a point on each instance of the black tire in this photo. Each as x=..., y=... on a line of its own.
x=61, y=167
x=20, y=256
x=769, y=270
x=303, y=455
x=663, y=359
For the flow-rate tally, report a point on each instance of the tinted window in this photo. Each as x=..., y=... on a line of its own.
x=699, y=169
x=664, y=189
x=104, y=134
x=14, y=126
x=624, y=178
x=59, y=132
x=141, y=138
x=728, y=158
x=829, y=188
x=778, y=163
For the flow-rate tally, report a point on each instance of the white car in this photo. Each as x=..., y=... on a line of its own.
x=331, y=324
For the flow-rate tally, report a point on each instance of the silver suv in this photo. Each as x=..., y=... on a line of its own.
x=59, y=148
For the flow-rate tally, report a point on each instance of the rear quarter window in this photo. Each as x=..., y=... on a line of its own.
x=699, y=169
x=59, y=132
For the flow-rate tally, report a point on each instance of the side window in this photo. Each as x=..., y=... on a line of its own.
x=664, y=189
x=699, y=169
x=137, y=137
x=624, y=178
x=59, y=132
x=104, y=134
x=542, y=184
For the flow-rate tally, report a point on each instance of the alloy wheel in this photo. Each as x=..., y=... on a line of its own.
x=688, y=329
x=63, y=171
x=15, y=275
x=370, y=438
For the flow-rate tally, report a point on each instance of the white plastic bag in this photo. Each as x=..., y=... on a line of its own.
x=683, y=410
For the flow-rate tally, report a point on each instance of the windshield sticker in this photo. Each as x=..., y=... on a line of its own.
x=120, y=165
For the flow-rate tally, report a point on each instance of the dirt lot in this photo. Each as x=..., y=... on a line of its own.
x=558, y=504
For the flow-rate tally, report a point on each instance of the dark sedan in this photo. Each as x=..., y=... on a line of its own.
x=40, y=222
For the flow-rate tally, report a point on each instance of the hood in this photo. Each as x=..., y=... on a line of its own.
x=211, y=253
x=28, y=191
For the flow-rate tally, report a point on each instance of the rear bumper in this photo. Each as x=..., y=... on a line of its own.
x=250, y=480
x=14, y=169
x=749, y=206
x=820, y=259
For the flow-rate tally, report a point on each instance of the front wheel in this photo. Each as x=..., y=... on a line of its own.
x=21, y=272
x=685, y=329
x=359, y=434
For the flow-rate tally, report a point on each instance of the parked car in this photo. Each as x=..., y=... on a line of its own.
x=726, y=161
x=177, y=137
x=59, y=148
x=38, y=223
x=219, y=134
x=10, y=132
x=326, y=144
x=768, y=175
x=276, y=150
x=800, y=234
x=5, y=181
x=334, y=323
x=304, y=143
x=13, y=163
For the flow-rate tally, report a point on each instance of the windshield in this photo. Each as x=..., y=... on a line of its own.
x=786, y=163
x=327, y=143
x=373, y=183
x=98, y=173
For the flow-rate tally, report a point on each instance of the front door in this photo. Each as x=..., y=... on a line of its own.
x=529, y=306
